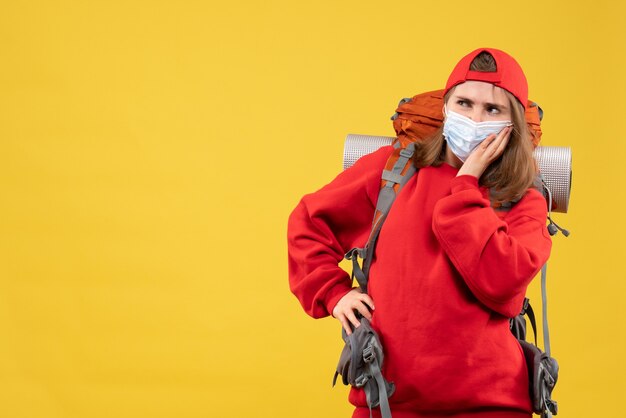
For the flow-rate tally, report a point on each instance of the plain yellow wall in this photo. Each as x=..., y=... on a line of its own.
x=151, y=151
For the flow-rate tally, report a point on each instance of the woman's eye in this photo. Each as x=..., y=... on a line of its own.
x=461, y=102
x=493, y=110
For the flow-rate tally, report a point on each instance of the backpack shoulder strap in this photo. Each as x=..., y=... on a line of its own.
x=544, y=309
x=393, y=179
x=527, y=309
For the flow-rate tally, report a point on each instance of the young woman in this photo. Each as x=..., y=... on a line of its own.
x=451, y=265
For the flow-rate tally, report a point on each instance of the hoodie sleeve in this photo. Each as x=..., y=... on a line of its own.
x=496, y=257
x=324, y=226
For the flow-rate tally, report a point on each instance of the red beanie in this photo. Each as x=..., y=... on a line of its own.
x=509, y=74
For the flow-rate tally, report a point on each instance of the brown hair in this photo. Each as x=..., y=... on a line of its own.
x=511, y=174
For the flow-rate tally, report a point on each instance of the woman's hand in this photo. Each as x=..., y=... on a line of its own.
x=484, y=154
x=344, y=310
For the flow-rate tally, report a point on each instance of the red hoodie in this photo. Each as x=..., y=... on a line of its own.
x=449, y=271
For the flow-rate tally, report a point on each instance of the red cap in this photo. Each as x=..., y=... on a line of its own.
x=509, y=74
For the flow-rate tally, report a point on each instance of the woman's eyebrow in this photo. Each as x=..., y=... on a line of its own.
x=465, y=99
x=486, y=104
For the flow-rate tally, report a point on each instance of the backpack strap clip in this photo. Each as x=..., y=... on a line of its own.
x=354, y=253
x=368, y=354
x=361, y=380
x=407, y=152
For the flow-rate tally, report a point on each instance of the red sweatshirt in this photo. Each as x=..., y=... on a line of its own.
x=448, y=272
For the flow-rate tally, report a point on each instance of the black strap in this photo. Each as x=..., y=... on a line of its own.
x=357, y=272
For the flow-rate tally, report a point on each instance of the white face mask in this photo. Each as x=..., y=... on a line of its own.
x=463, y=134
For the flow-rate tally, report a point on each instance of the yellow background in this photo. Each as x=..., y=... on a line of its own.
x=151, y=151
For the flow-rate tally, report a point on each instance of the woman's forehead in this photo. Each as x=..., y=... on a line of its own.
x=479, y=91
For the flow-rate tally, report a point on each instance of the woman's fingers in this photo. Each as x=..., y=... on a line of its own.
x=505, y=135
x=347, y=318
x=353, y=301
x=493, y=146
x=489, y=150
x=365, y=298
x=488, y=141
x=363, y=310
x=352, y=318
x=345, y=324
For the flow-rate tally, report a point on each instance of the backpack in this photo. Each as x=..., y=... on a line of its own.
x=360, y=365
x=415, y=120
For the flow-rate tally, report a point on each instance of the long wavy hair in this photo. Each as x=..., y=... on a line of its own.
x=510, y=175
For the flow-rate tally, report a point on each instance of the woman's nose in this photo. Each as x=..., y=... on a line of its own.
x=476, y=115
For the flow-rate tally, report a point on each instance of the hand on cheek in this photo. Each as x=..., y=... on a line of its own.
x=485, y=153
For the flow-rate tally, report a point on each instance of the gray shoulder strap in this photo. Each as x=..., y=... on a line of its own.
x=386, y=197
x=544, y=309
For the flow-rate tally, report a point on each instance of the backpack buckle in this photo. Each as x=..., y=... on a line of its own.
x=355, y=253
x=552, y=406
x=361, y=380
x=406, y=153
x=368, y=354
x=547, y=377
